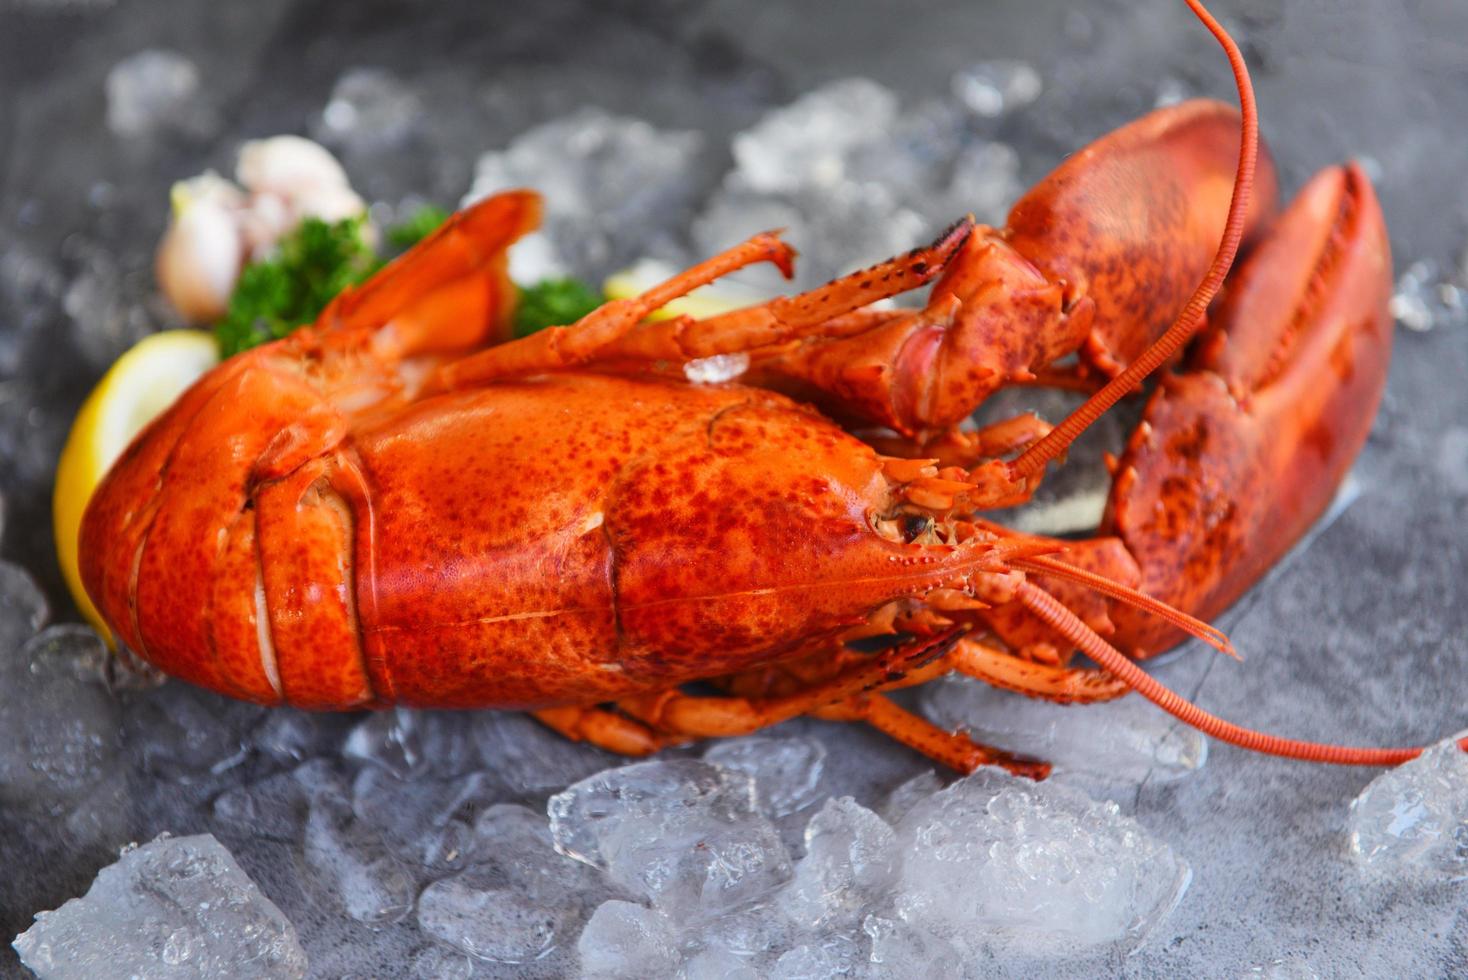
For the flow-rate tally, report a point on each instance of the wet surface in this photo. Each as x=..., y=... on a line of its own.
x=1361, y=637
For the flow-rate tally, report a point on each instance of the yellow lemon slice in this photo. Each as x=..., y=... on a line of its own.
x=705, y=301
x=143, y=382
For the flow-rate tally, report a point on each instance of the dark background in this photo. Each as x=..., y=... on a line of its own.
x=1362, y=638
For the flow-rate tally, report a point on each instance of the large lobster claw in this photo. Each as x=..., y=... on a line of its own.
x=1241, y=452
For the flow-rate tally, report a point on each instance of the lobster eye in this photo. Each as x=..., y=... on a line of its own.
x=915, y=526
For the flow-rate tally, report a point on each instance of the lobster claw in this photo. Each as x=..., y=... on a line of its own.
x=1241, y=452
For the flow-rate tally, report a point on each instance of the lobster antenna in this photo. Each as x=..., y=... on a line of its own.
x=1053, y=445
x=1194, y=627
x=1054, y=613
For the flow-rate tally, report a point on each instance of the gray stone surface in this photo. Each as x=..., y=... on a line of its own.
x=1362, y=637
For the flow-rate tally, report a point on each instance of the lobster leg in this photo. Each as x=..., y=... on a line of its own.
x=615, y=331
x=556, y=348
x=675, y=713
x=604, y=729
x=953, y=749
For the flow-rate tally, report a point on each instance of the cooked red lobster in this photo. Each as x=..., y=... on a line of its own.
x=400, y=505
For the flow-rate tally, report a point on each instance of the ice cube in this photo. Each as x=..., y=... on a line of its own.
x=370, y=108
x=289, y=736
x=837, y=228
x=716, y=369
x=530, y=760
x=909, y=794
x=998, y=861
x=353, y=865
x=994, y=88
x=1426, y=298
x=60, y=727
x=156, y=91
x=850, y=860
x=179, y=907
x=985, y=182
x=501, y=924
x=182, y=732
x=438, y=963
x=23, y=610
x=409, y=743
x=1286, y=968
x=1412, y=821
x=624, y=939
x=611, y=184
x=682, y=833
x=1127, y=740
x=426, y=821
x=806, y=143
x=274, y=808
x=832, y=955
x=902, y=950
x=786, y=771
x=517, y=899
x=717, y=964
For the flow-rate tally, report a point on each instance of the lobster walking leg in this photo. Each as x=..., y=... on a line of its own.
x=953, y=749
x=604, y=729
x=676, y=713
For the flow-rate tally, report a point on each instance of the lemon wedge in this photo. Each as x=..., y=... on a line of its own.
x=702, y=302
x=143, y=382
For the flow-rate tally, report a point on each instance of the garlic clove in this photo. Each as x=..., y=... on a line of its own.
x=199, y=260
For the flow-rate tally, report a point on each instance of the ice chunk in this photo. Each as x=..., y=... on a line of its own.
x=407, y=742
x=1036, y=867
x=370, y=108
x=786, y=771
x=850, y=860
x=530, y=760
x=833, y=955
x=624, y=939
x=909, y=794
x=156, y=91
x=806, y=143
x=900, y=950
x=23, y=608
x=611, y=184
x=1127, y=740
x=717, y=964
x=837, y=228
x=290, y=736
x=994, y=88
x=182, y=732
x=60, y=727
x=1287, y=968
x=518, y=899
x=1426, y=298
x=985, y=182
x=425, y=821
x=179, y=907
x=716, y=369
x=274, y=808
x=1412, y=821
x=438, y=963
x=353, y=865
x=682, y=833
x=500, y=924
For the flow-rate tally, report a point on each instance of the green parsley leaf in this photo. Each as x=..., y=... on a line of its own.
x=554, y=303
x=422, y=223
x=310, y=267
